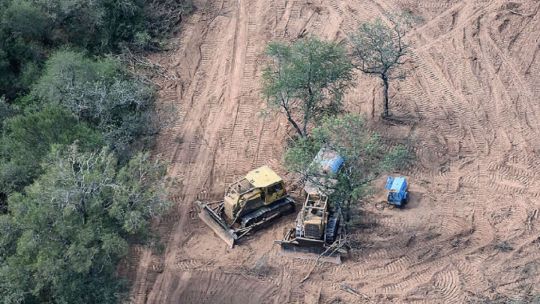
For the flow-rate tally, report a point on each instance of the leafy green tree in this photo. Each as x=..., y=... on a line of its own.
x=365, y=155
x=23, y=31
x=100, y=93
x=379, y=50
x=67, y=216
x=306, y=80
x=32, y=29
x=25, y=20
x=98, y=26
x=6, y=111
x=63, y=237
x=28, y=138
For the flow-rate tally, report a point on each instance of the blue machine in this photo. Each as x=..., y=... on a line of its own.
x=397, y=191
x=327, y=164
x=330, y=161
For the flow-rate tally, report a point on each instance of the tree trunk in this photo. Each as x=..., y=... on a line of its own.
x=307, y=109
x=296, y=127
x=306, y=120
x=293, y=123
x=386, y=85
x=285, y=106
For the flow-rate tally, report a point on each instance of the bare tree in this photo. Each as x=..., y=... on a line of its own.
x=379, y=50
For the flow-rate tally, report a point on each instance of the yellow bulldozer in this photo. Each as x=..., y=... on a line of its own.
x=249, y=204
x=318, y=233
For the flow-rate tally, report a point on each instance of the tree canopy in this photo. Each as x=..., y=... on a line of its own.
x=379, y=49
x=28, y=139
x=76, y=188
x=77, y=99
x=31, y=29
x=306, y=80
x=100, y=93
x=63, y=236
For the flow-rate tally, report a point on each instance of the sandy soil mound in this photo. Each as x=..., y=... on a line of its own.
x=471, y=232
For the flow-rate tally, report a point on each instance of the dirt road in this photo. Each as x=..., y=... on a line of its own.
x=470, y=233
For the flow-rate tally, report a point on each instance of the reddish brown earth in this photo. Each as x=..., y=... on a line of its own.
x=470, y=233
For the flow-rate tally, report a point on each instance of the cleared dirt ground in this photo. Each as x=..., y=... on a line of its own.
x=472, y=105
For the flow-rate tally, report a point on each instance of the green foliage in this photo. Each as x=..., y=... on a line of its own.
x=142, y=40
x=366, y=156
x=31, y=29
x=379, y=49
x=396, y=158
x=25, y=20
x=67, y=69
x=28, y=138
x=6, y=111
x=99, y=26
x=100, y=93
x=63, y=238
x=22, y=37
x=68, y=215
x=306, y=80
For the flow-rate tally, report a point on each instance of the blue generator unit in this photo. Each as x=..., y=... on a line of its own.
x=397, y=191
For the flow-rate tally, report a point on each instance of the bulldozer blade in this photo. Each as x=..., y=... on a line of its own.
x=293, y=250
x=216, y=223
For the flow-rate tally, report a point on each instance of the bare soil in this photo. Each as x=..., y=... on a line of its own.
x=470, y=109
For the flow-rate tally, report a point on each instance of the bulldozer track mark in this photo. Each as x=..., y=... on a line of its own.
x=185, y=265
x=448, y=282
x=170, y=218
x=483, y=231
x=349, y=21
x=513, y=84
x=139, y=285
x=452, y=225
x=475, y=14
x=280, y=7
x=397, y=265
x=451, y=11
x=296, y=296
x=405, y=282
x=443, y=86
x=472, y=279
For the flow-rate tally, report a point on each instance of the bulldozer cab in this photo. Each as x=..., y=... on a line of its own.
x=274, y=192
x=258, y=188
x=271, y=185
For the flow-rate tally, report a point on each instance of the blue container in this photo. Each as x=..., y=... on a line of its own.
x=328, y=161
x=333, y=163
x=325, y=166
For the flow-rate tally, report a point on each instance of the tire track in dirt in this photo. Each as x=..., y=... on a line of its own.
x=193, y=146
x=139, y=284
x=469, y=9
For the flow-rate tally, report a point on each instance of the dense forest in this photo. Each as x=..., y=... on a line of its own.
x=77, y=185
